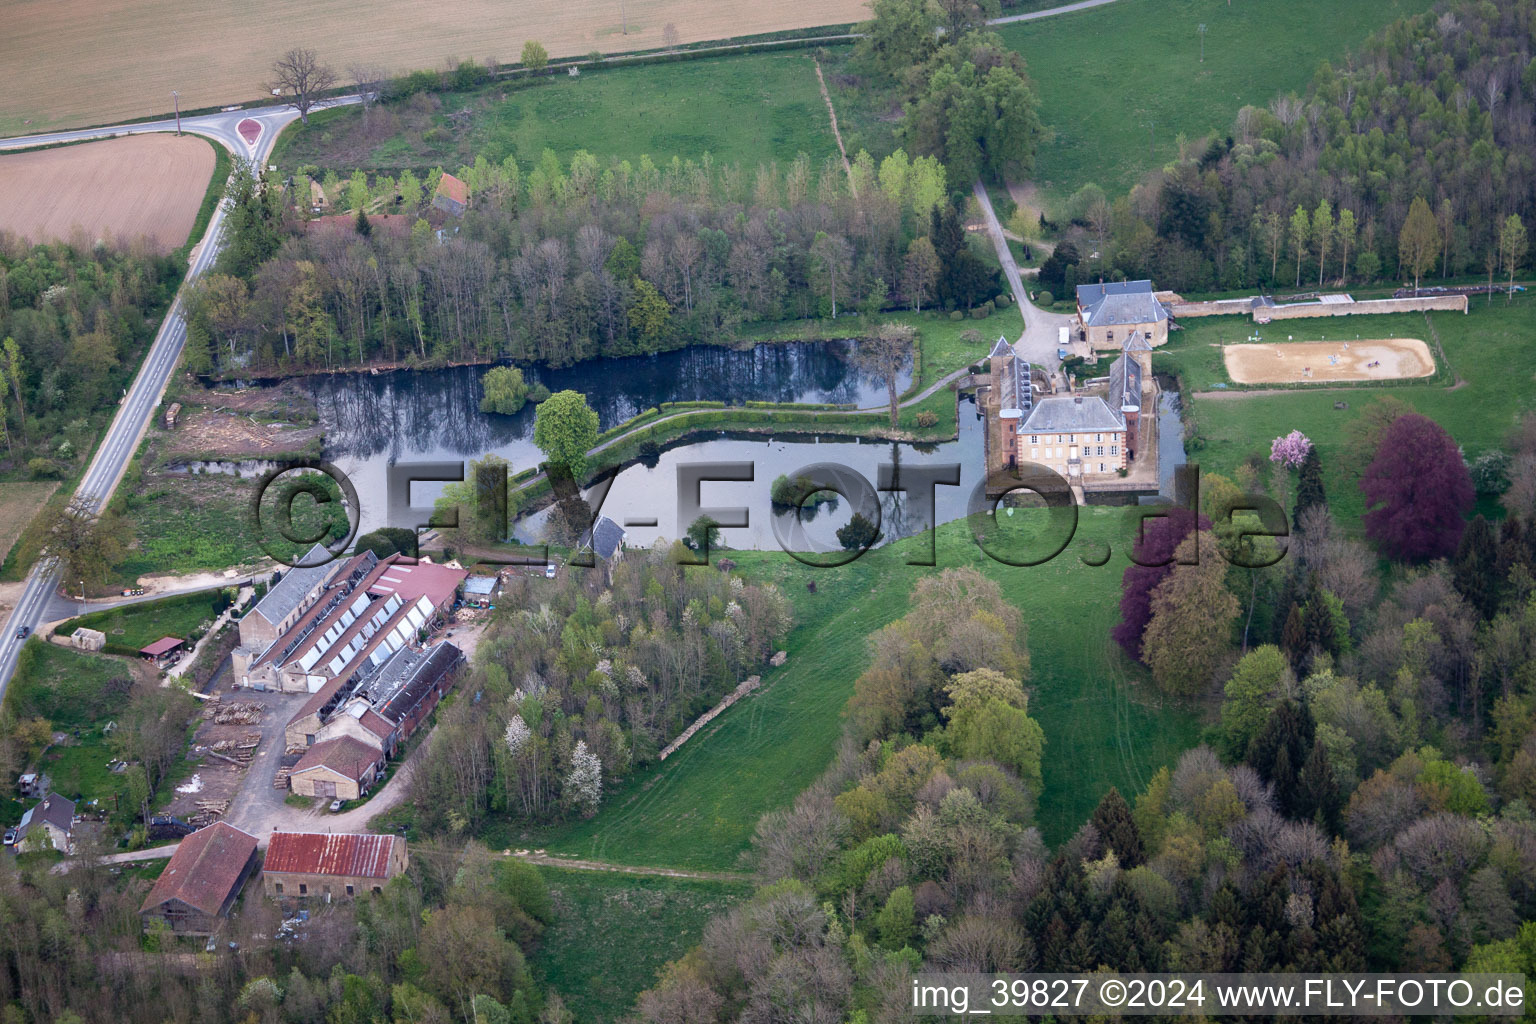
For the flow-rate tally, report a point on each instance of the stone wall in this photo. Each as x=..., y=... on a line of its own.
x=1454, y=303
x=1219, y=307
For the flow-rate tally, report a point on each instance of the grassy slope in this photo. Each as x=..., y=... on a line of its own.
x=613, y=933
x=1103, y=725
x=738, y=109
x=1489, y=348
x=1103, y=74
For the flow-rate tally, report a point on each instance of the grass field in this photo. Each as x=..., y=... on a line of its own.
x=66, y=687
x=742, y=110
x=1103, y=723
x=613, y=932
x=72, y=64
x=19, y=502
x=1489, y=349
x=1114, y=78
x=141, y=186
x=138, y=625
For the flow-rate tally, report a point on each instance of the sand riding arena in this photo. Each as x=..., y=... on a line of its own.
x=1305, y=362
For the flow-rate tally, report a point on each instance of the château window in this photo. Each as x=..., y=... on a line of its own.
x=1114, y=449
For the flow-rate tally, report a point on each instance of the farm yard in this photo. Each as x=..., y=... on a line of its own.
x=148, y=186
x=123, y=60
x=1309, y=361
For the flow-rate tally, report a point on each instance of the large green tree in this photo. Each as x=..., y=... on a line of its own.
x=565, y=430
x=1192, y=613
x=976, y=110
x=503, y=390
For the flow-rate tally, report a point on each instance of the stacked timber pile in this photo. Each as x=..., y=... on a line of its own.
x=236, y=754
x=280, y=780
x=208, y=812
x=240, y=712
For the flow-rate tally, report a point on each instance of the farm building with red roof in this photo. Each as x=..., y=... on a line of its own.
x=323, y=865
x=205, y=874
x=343, y=768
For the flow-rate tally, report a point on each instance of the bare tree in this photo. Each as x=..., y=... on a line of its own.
x=368, y=79
x=883, y=356
x=300, y=73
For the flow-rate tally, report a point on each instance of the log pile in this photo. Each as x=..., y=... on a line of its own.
x=240, y=712
x=280, y=780
x=208, y=812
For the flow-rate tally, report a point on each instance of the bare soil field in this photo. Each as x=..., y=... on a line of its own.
x=69, y=64
x=1305, y=361
x=149, y=185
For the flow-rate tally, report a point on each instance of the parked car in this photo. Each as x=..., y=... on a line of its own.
x=10, y=837
x=335, y=806
x=549, y=571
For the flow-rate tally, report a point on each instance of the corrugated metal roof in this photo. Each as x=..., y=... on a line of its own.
x=164, y=645
x=316, y=853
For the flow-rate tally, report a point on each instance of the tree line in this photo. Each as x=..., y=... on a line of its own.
x=73, y=318
x=558, y=263
x=578, y=684
x=1413, y=159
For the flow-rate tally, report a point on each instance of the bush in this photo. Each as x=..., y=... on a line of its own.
x=955, y=314
x=502, y=391
x=927, y=418
x=1045, y=299
x=1490, y=472
x=535, y=57
x=982, y=311
x=538, y=393
x=469, y=74
x=42, y=469
x=1001, y=301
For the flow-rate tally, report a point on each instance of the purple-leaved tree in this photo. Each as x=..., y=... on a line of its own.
x=1418, y=490
x=1160, y=538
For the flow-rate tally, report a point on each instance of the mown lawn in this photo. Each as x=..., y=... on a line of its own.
x=1104, y=724
x=68, y=688
x=613, y=932
x=1113, y=79
x=747, y=110
x=1489, y=348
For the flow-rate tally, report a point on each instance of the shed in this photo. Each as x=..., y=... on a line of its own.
x=340, y=768
x=480, y=591
x=452, y=195
x=88, y=639
x=161, y=648
x=200, y=883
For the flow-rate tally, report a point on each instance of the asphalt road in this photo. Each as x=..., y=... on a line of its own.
x=143, y=396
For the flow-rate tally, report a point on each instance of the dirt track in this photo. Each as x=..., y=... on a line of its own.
x=149, y=185
x=1307, y=361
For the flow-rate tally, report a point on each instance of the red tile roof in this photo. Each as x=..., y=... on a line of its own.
x=412, y=580
x=343, y=755
x=454, y=189
x=164, y=645
x=317, y=853
x=205, y=869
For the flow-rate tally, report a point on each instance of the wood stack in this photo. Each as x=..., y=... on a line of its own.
x=280, y=780
x=235, y=753
x=208, y=812
x=236, y=713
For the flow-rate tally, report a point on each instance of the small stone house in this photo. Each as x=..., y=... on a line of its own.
x=452, y=196
x=49, y=825
x=327, y=866
x=88, y=639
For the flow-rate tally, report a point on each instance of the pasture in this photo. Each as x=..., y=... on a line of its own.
x=747, y=109
x=68, y=65
x=1120, y=84
x=142, y=186
x=1104, y=722
x=1300, y=362
x=613, y=932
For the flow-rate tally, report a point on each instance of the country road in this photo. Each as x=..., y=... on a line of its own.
x=249, y=135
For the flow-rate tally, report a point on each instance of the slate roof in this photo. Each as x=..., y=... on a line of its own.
x=317, y=853
x=342, y=755
x=485, y=585
x=205, y=870
x=1119, y=302
x=1125, y=384
x=605, y=537
x=1066, y=414
x=287, y=593
x=1002, y=348
x=1138, y=342
x=55, y=810
x=406, y=677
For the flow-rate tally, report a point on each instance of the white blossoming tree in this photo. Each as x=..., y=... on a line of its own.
x=584, y=783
